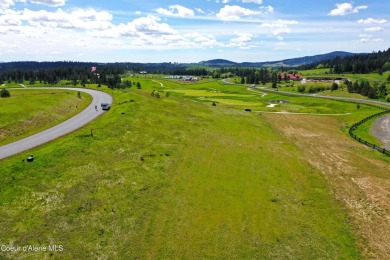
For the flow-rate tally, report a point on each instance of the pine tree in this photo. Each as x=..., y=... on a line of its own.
x=4, y=93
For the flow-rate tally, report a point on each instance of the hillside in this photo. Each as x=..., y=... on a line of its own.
x=281, y=63
x=358, y=63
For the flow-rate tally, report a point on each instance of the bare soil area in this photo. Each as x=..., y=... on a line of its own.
x=381, y=130
x=358, y=176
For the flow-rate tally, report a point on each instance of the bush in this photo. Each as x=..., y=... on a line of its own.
x=388, y=98
x=4, y=93
x=335, y=86
x=301, y=88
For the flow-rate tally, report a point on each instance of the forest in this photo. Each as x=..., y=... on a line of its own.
x=358, y=64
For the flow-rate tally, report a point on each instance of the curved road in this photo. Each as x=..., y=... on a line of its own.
x=62, y=129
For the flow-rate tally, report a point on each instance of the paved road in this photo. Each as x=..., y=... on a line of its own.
x=62, y=129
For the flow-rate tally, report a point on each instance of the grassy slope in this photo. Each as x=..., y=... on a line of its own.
x=30, y=111
x=358, y=175
x=172, y=178
x=364, y=130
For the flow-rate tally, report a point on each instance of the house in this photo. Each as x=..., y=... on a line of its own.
x=293, y=76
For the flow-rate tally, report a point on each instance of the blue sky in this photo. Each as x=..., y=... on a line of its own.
x=189, y=31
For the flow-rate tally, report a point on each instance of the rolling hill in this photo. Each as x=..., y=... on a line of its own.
x=282, y=63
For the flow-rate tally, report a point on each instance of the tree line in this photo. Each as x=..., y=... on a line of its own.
x=358, y=64
x=365, y=88
x=76, y=75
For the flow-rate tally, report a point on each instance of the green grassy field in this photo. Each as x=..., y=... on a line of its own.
x=30, y=111
x=173, y=178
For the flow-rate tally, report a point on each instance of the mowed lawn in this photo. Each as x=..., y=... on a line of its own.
x=171, y=178
x=30, y=111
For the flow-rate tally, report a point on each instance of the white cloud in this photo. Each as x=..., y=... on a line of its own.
x=279, y=24
x=53, y=3
x=4, y=4
x=234, y=13
x=279, y=27
x=374, y=29
x=241, y=40
x=10, y=18
x=365, y=38
x=88, y=19
x=176, y=10
x=281, y=31
x=141, y=27
x=373, y=21
x=267, y=9
x=199, y=10
x=346, y=8
x=253, y=1
x=201, y=40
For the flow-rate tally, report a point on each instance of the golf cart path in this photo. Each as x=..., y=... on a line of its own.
x=62, y=129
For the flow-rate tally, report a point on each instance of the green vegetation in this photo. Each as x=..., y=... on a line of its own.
x=4, y=93
x=169, y=178
x=175, y=177
x=30, y=111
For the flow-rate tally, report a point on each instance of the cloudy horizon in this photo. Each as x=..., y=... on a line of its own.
x=188, y=31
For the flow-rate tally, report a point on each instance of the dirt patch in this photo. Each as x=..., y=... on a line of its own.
x=360, y=182
x=381, y=130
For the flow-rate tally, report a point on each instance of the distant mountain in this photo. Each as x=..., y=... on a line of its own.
x=219, y=63
x=282, y=63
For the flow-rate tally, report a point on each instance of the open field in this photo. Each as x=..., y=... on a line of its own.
x=30, y=111
x=358, y=176
x=174, y=178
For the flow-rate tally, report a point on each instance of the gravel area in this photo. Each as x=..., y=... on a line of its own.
x=381, y=130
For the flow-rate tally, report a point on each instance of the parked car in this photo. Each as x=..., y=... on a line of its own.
x=105, y=106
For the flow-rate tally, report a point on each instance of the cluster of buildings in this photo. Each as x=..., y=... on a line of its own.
x=183, y=78
x=296, y=77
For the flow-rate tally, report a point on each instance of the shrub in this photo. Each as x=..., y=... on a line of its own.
x=388, y=98
x=301, y=88
x=4, y=93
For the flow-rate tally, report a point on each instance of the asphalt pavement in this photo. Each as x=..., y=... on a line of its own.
x=62, y=129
